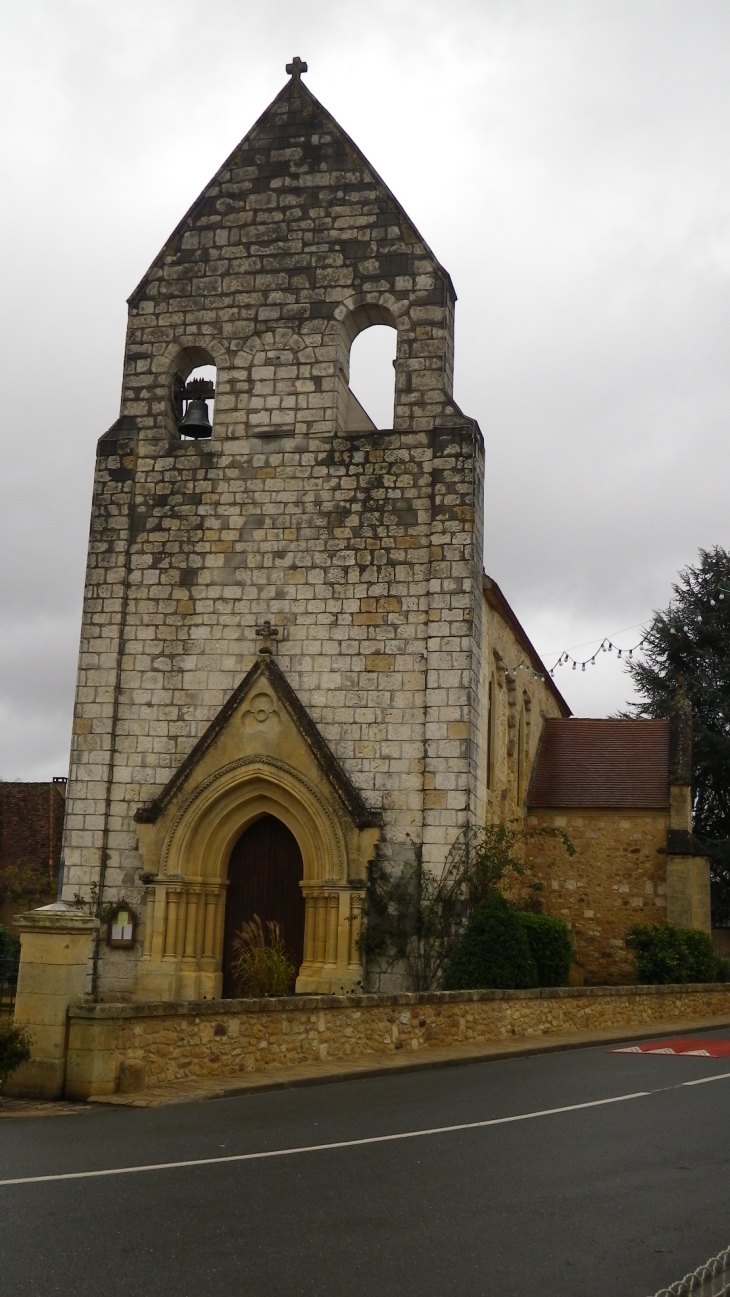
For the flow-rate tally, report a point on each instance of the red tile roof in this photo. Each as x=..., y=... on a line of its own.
x=601, y=763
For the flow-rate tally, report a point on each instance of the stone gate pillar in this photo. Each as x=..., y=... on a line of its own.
x=55, y=946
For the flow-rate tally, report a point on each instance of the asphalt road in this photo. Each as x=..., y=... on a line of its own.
x=617, y=1199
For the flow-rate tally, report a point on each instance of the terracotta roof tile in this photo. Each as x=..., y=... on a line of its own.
x=601, y=763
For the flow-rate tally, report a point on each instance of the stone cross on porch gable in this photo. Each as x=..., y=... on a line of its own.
x=296, y=67
x=266, y=633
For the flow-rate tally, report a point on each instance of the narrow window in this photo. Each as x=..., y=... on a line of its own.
x=490, y=735
x=521, y=759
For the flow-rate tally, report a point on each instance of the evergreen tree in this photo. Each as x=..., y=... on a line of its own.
x=690, y=641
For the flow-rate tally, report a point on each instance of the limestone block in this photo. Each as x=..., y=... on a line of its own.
x=91, y=1063
x=55, y=944
x=132, y=1076
x=39, y=1078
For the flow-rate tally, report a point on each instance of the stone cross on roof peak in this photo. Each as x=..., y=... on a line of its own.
x=266, y=633
x=295, y=68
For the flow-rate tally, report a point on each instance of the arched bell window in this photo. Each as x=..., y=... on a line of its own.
x=367, y=370
x=372, y=378
x=193, y=395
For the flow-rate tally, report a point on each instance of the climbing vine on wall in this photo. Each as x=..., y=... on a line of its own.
x=415, y=917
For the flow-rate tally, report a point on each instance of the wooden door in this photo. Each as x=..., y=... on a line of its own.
x=264, y=873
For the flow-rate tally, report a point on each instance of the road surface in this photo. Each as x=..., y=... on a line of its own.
x=584, y=1174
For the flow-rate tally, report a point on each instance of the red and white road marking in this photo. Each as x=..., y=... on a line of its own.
x=690, y=1048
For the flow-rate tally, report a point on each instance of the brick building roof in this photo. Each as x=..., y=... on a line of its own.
x=31, y=827
x=601, y=763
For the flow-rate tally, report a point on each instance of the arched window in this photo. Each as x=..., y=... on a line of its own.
x=371, y=396
x=193, y=394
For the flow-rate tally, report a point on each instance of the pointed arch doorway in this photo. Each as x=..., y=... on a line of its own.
x=264, y=875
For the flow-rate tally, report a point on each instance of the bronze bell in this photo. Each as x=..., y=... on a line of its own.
x=195, y=422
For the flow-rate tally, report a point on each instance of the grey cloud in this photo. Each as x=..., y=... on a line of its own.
x=568, y=164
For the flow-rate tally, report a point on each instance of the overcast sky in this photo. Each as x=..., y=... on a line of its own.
x=567, y=162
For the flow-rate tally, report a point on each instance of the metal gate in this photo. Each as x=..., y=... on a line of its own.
x=9, y=964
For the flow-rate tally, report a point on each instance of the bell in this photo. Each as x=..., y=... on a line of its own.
x=195, y=422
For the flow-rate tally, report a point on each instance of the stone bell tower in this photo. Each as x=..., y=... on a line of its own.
x=282, y=613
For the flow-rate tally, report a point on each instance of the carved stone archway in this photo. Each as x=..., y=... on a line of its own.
x=261, y=756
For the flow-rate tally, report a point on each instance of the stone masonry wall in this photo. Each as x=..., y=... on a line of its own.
x=521, y=699
x=616, y=878
x=363, y=549
x=294, y=247
x=230, y=1038
x=364, y=554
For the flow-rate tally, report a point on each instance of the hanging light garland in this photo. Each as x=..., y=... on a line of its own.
x=523, y=666
x=607, y=646
x=721, y=592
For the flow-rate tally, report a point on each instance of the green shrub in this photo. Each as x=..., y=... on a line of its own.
x=261, y=965
x=493, y=951
x=550, y=946
x=14, y=1047
x=701, y=955
x=722, y=969
x=666, y=953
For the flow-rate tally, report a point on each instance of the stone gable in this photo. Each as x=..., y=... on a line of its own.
x=293, y=248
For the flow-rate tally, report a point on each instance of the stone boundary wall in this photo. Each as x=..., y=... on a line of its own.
x=128, y=1046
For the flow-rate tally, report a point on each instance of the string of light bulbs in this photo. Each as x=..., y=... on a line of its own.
x=607, y=645
x=523, y=666
x=698, y=619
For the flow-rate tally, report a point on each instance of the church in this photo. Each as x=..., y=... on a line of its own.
x=291, y=657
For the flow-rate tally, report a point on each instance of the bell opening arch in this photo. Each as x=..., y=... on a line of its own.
x=189, y=361
x=371, y=402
